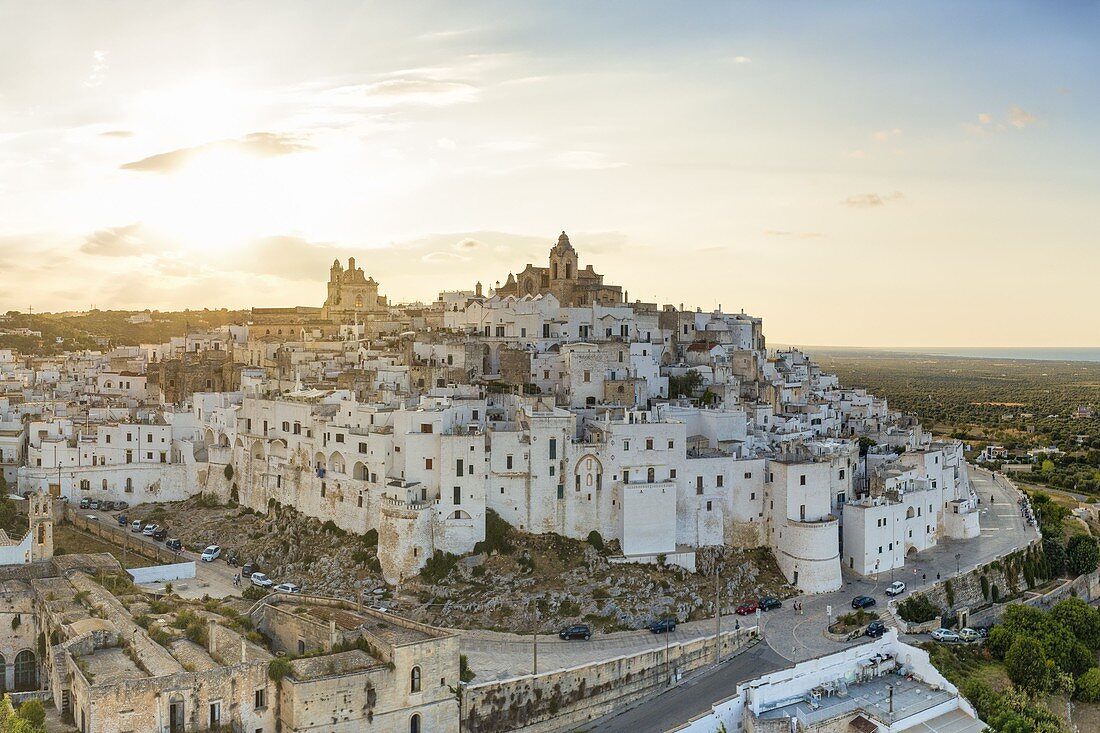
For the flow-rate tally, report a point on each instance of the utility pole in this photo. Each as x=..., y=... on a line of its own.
x=668, y=678
x=717, y=615
x=535, y=645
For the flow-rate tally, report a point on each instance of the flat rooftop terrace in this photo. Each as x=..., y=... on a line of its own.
x=390, y=632
x=109, y=666
x=873, y=697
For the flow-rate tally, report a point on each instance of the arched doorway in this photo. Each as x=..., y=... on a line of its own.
x=3, y=675
x=414, y=723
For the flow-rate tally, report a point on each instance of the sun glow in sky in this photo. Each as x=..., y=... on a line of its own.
x=854, y=173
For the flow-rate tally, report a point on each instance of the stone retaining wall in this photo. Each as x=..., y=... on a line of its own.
x=565, y=699
x=120, y=536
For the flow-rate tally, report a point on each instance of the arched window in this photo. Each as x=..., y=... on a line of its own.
x=414, y=723
x=26, y=671
x=3, y=674
x=651, y=474
x=414, y=683
x=104, y=484
x=359, y=301
x=129, y=484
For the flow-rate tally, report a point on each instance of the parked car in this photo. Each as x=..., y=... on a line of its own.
x=768, y=603
x=211, y=553
x=94, y=504
x=875, y=629
x=136, y=525
x=107, y=506
x=261, y=580
x=150, y=530
x=747, y=608
x=863, y=602
x=248, y=569
x=123, y=520
x=174, y=544
x=287, y=588
x=85, y=502
x=896, y=588
x=664, y=626
x=576, y=631
x=946, y=635
x=968, y=635
x=160, y=534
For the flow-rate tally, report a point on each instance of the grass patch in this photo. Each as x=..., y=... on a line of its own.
x=68, y=540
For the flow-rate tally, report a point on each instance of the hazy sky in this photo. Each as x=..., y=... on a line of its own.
x=855, y=173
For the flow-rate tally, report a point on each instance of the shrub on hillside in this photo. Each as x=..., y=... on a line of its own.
x=918, y=609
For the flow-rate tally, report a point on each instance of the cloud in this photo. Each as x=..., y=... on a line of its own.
x=509, y=146
x=1017, y=118
x=794, y=235
x=403, y=91
x=257, y=144
x=124, y=241
x=290, y=257
x=442, y=257
x=99, y=69
x=586, y=160
x=468, y=244
x=117, y=133
x=872, y=200
x=884, y=135
x=1020, y=118
x=741, y=60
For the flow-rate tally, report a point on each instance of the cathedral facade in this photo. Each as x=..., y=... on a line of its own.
x=563, y=278
x=351, y=295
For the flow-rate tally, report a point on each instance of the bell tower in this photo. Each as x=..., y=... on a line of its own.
x=41, y=526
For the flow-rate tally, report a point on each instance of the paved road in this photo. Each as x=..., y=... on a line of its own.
x=693, y=696
x=214, y=579
x=798, y=637
x=493, y=655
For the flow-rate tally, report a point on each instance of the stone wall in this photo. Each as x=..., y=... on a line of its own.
x=120, y=536
x=565, y=699
x=1004, y=579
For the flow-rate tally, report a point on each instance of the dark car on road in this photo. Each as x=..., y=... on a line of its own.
x=664, y=626
x=121, y=505
x=576, y=631
x=85, y=502
x=768, y=603
x=174, y=544
x=248, y=569
x=746, y=608
x=875, y=629
x=160, y=534
x=123, y=520
x=107, y=506
x=863, y=602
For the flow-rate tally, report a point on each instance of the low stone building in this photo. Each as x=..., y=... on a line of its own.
x=114, y=659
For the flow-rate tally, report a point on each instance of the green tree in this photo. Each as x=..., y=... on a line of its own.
x=1081, y=619
x=1055, y=553
x=33, y=712
x=1026, y=664
x=1088, y=686
x=1082, y=554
